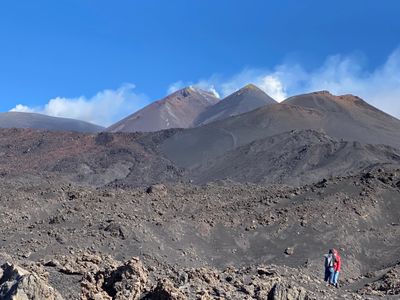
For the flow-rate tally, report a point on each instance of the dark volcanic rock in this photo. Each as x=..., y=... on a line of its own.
x=195, y=226
x=165, y=290
x=104, y=138
x=157, y=189
x=116, y=230
x=289, y=251
x=124, y=282
x=388, y=284
x=17, y=283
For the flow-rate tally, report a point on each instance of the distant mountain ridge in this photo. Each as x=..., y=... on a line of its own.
x=301, y=140
x=341, y=117
x=192, y=107
x=39, y=121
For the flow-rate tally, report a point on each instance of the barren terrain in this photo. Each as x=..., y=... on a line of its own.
x=177, y=227
x=242, y=208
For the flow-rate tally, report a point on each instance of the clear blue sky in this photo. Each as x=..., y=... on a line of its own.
x=72, y=48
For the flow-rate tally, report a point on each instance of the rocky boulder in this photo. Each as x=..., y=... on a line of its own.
x=19, y=284
x=282, y=291
x=127, y=281
x=165, y=290
x=157, y=189
x=388, y=284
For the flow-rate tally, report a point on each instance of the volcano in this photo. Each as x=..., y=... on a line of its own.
x=244, y=100
x=178, y=110
x=345, y=117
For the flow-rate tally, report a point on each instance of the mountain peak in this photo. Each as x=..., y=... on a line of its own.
x=322, y=92
x=250, y=86
x=246, y=99
x=189, y=90
x=350, y=98
x=192, y=90
x=177, y=110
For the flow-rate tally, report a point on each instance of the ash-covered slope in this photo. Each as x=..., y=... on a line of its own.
x=355, y=121
x=296, y=157
x=303, y=140
x=351, y=118
x=178, y=110
x=135, y=159
x=39, y=121
x=94, y=159
x=244, y=100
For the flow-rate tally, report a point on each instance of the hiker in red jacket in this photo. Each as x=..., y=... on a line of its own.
x=336, y=267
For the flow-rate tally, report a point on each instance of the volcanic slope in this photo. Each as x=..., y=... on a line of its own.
x=178, y=110
x=351, y=118
x=39, y=121
x=246, y=99
x=355, y=121
x=296, y=157
x=93, y=159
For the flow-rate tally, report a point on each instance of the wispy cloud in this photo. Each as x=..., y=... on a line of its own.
x=267, y=81
x=340, y=74
x=206, y=85
x=175, y=87
x=23, y=108
x=104, y=108
x=222, y=87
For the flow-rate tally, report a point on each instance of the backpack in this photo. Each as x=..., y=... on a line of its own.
x=331, y=261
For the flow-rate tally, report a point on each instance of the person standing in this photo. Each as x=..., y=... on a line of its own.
x=329, y=264
x=337, y=263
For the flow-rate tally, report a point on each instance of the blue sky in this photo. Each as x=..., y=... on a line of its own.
x=101, y=60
